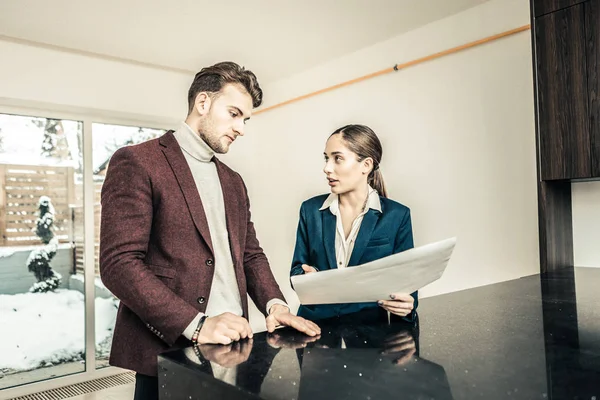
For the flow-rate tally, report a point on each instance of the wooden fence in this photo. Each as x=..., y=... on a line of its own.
x=78, y=227
x=21, y=187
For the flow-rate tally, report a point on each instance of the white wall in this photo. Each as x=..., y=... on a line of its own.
x=458, y=137
x=586, y=223
x=66, y=80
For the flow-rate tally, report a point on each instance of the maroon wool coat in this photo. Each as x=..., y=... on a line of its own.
x=156, y=253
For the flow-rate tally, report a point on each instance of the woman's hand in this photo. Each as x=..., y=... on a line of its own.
x=401, y=304
x=308, y=269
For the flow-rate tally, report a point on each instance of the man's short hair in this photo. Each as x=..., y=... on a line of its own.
x=212, y=79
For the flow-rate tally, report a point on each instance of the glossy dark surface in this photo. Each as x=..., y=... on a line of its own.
x=533, y=338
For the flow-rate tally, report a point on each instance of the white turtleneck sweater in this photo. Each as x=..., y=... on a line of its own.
x=224, y=294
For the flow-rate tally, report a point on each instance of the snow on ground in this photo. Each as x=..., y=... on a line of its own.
x=42, y=329
x=6, y=252
x=98, y=282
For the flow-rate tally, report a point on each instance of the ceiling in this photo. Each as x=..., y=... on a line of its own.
x=274, y=38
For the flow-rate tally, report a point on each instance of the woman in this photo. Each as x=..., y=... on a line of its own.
x=354, y=224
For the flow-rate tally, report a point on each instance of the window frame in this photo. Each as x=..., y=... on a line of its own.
x=88, y=117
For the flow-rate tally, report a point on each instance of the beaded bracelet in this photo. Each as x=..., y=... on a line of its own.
x=198, y=354
x=198, y=329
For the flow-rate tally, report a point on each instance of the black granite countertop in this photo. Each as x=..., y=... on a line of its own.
x=532, y=338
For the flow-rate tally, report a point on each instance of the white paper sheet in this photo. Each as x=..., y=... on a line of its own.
x=399, y=273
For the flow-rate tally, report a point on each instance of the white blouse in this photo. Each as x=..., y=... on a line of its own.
x=343, y=245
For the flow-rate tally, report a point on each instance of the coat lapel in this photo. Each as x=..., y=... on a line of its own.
x=364, y=234
x=329, y=221
x=233, y=203
x=184, y=177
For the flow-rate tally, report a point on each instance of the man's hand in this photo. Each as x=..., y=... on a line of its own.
x=224, y=329
x=401, y=304
x=227, y=356
x=308, y=269
x=280, y=315
x=290, y=341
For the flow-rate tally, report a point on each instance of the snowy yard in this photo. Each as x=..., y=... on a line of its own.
x=41, y=164
x=43, y=329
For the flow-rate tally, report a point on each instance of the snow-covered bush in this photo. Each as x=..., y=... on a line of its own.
x=38, y=261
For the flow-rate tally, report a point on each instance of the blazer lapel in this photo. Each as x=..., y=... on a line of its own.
x=329, y=221
x=364, y=234
x=184, y=177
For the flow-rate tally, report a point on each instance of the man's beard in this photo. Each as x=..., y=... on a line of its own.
x=214, y=141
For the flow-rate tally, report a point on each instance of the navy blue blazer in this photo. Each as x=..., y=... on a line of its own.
x=380, y=235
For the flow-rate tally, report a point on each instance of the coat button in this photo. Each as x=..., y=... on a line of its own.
x=201, y=300
x=209, y=262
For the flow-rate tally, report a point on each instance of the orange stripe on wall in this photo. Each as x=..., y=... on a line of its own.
x=398, y=67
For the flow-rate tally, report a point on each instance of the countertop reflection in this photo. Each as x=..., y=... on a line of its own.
x=533, y=338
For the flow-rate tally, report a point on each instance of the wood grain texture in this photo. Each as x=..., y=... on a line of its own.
x=562, y=87
x=555, y=225
x=554, y=202
x=542, y=7
x=592, y=24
